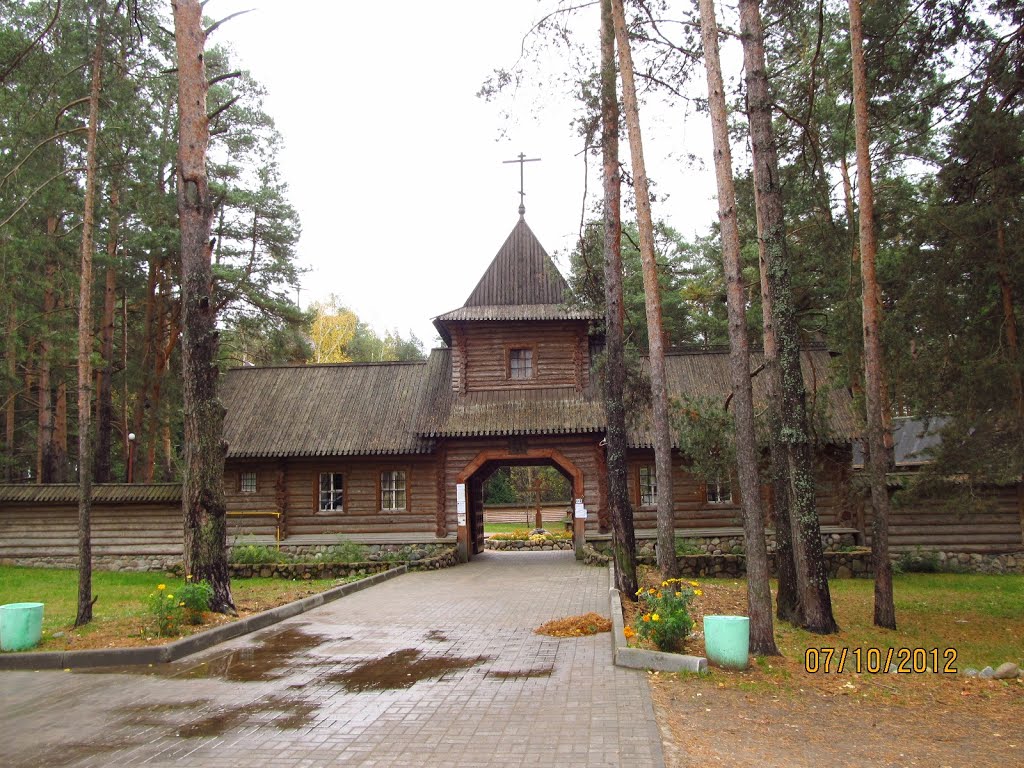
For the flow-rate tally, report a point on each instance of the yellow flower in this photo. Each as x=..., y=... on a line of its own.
x=694, y=584
x=697, y=592
x=655, y=617
x=181, y=605
x=170, y=597
x=651, y=591
x=188, y=577
x=646, y=617
x=640, y=591
x=161, y=586
x=679, y=594
x=664, y=583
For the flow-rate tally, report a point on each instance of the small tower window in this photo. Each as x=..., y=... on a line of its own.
x=520, y=363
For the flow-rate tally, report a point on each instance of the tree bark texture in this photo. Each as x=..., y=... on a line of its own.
x=652, y=299
x=623, y=534
x=871, y=310
x=759, y=596
x=46, y=470
x=11, y=396
x=1012, y=348
x=104, y=377
x=203, y=503
x=85, y=446
x=790, y=430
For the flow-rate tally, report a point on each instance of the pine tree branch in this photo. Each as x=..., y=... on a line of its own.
x=18, y=59
x=210, y=29
x=32, y=151
x=35, y=191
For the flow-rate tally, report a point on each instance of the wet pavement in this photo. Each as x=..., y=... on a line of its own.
x=439, y=668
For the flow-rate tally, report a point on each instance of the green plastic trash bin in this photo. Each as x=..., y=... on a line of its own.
x=21, y=626
x=727, y=641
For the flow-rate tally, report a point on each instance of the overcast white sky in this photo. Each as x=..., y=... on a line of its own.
x=395, y=165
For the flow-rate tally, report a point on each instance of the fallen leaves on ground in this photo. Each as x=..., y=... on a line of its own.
x=575, y=626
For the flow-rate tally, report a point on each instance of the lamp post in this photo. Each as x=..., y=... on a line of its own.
x=131, y=456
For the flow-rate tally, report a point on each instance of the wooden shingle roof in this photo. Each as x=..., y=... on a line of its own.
x=394, y=408
x=521, y=273
x=553, y=410
x=323, y=410
x=66, y=493
x=705, y=374
x=521, y=283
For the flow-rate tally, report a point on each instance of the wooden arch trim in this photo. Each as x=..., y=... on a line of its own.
x=553, y=454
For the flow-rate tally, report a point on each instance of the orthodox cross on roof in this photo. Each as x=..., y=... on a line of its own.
x=522, y=160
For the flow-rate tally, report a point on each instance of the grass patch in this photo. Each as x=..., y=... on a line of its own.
x=549, y=525
x=120, y=614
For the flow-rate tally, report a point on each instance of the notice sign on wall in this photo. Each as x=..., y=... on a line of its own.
x=460, y=502
x=579, y=511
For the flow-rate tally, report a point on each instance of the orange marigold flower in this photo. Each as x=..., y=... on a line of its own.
x=629, y=632
x=646, y=617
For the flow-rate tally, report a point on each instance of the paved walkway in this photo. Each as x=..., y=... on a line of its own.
x=430, y=669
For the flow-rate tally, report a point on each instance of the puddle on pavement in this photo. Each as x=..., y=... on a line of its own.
x=292, y=714
x=264, y=661
x=517, y=674
x=437, y=636
x=67, y=754
x=268, y=659
x=401, y=669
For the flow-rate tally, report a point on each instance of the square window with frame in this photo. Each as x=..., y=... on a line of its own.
x=392, y=490
x=719, y=491
x=648, y=486
x=332, y=492
x=520, y=363
x=247, y=482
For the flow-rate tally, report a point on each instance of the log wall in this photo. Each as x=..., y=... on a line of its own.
x=561, y=355
x=931, y=524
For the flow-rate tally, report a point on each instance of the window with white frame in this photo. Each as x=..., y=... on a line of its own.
x=648, y=486
x=520, y=363
x=392, y=490
x=247, y=482
x=332, y=491
x=719, y=491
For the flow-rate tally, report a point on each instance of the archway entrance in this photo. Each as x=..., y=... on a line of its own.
x=470, y=482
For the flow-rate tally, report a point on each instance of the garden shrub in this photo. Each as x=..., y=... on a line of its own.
x=195, y=599
x=165, y=611
x=257, y=554
x=664, y=618
x=344, y=551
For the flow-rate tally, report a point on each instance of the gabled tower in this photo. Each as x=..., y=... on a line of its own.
x=514, y=331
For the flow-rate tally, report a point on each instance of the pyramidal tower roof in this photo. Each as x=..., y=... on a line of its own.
x=521, y=273
x=521, y=283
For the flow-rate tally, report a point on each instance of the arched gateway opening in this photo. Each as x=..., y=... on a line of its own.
x=470, y=488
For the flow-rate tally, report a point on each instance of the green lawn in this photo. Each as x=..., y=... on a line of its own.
x=120, y=608
x=551, y=525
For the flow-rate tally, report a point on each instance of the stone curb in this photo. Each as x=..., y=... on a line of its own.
x=638, y=658
x=116, y=657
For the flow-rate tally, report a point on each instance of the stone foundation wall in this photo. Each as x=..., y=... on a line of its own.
x=733, y=545
x=854, y=563
x=306, y=571
x=527, y=546
x=100, y=562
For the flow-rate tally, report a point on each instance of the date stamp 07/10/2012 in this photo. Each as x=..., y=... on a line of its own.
x=875, y=660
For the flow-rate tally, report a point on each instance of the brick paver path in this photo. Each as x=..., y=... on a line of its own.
x=429, y=669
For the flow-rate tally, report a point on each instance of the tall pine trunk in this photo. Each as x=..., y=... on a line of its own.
x=759, y=595
x=46, y=470
x=652, y=301
x=203, y=489
x=790, y=427
x=871, y=302
x=1012, y=349
x=615, y=369
x=85, y=446
x=104, y=377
